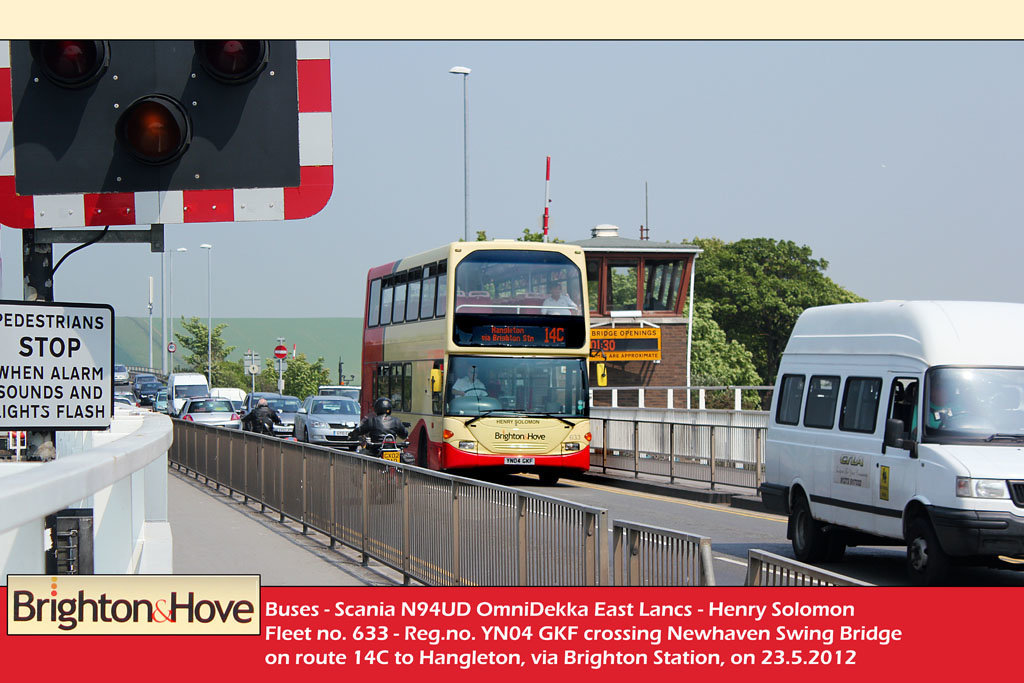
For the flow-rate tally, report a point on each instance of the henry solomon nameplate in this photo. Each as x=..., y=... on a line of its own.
x=56, y=365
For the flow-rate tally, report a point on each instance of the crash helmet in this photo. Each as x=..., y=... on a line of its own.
x=382, y=406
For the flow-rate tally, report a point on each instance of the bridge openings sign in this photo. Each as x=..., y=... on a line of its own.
x=56, y=365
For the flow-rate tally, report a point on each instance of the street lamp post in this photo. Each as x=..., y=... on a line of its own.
x=209, y=311
x=150, y=322
x=170, y=297
x=464, y=72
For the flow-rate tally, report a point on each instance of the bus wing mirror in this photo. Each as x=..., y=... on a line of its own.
x=436, y=383
x=602, y=374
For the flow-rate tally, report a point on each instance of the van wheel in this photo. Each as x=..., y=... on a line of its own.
x=927, y=563
x=809, y=541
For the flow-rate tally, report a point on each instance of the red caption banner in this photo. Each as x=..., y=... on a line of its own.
x=833, y=634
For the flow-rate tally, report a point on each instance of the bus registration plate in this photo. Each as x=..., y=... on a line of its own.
x=512, y=460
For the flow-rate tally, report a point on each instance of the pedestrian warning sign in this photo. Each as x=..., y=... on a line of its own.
x=56, y=365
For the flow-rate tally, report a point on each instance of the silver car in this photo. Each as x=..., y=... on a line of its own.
x=327, y=420
x=121, y=374
x=216, y=412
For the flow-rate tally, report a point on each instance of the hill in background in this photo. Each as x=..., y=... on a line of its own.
x=316, y=337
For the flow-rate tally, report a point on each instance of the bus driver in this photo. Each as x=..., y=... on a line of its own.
x=469, y=385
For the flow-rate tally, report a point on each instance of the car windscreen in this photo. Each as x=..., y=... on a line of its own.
x=285, y=405
x=335, y=407
x=213, y=405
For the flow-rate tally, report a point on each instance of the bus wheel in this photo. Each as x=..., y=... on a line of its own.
x=809, y=542
x=421, y=451
x=927, y=563
x=548, y=478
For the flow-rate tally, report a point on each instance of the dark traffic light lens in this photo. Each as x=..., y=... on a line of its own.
x=71, y=63
x=232, y=61
x=155, y=129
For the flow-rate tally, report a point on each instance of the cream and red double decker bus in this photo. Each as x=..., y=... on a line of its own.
x=482, y=348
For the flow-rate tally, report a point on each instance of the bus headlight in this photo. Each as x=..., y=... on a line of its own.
x=467, y=445
x=571, y=445
x=981, y=488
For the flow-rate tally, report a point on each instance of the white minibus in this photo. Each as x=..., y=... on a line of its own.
x=902, y=422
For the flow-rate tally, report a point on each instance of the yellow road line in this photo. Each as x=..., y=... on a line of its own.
x=677, y=501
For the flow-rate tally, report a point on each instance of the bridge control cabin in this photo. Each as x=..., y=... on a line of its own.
x=638, y=294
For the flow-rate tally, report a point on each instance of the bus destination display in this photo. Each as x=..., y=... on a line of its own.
x=547, y=336
x=625, y=343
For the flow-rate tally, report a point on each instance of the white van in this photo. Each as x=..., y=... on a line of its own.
x=233, y=394
x=182, y=385
x=902, y=423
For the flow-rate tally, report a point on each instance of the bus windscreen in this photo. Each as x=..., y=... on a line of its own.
x=549, y=387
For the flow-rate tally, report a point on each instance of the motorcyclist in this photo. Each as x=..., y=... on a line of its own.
x=379, y=425
x=263, y=418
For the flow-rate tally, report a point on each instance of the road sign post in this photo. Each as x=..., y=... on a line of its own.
x=280, y=353
x=251, y=360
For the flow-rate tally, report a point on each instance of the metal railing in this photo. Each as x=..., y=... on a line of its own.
x=673, y=397
x=715, y=454
x=136, y=369
x=769, y=569
x=649, y=556
x=436, y=528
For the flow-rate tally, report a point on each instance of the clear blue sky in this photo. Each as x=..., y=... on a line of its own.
x=898, y=162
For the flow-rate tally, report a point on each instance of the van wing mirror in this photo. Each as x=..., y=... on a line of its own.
x=894, y=431
x=436, y=382
x=602, y=374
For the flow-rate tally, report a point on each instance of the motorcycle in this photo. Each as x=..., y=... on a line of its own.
x=389, y=449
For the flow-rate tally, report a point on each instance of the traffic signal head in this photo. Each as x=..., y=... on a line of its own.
x=129, y=116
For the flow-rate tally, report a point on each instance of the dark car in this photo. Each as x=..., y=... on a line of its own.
x=148, y=391
x=285, y=406
x=140, y=379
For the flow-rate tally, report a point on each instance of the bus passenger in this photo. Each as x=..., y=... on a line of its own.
x=558, y=303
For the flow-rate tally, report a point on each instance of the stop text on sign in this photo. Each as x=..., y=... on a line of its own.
x=56, y=365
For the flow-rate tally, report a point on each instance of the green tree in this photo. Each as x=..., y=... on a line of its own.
x=718, y=361
x=538, y=236
x=301, y=378
x=194, y=341
x=481, y=235
x=757, y=289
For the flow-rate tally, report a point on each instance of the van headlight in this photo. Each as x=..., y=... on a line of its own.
x=967, y=487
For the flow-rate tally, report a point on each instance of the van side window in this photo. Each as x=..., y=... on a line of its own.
x=903, y=404
x=822, y=395
x=860, y=404
x=788, y=411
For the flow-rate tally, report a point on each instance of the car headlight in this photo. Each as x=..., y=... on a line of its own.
x=318, y=424
x=967, y=487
